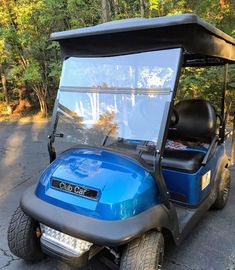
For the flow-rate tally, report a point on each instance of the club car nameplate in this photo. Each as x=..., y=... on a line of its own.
x=74, y=189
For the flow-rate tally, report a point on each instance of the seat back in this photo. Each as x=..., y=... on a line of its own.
x=197, y=121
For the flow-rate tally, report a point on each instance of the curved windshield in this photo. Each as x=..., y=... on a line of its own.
x=109, y=100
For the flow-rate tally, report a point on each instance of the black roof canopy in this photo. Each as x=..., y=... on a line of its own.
x=203, y=43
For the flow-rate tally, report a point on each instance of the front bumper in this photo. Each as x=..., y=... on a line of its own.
x=99, y=232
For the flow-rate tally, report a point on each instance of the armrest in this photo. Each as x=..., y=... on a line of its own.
x=210, y=150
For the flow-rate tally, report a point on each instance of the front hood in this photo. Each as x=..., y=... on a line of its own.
x=116, y=187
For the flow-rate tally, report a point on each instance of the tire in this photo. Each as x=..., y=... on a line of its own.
x=24, y=237
x=144, y=253
x=223, y=190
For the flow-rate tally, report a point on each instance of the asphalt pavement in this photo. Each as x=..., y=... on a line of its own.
x=23, y=156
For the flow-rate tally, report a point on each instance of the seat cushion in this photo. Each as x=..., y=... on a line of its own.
x=182, y=160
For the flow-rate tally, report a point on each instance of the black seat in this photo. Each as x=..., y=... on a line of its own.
x=196, y=122
x=182, y=160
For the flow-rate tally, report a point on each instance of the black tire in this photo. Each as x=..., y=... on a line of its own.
x=24, y=237
x=144, y=253
x=223, y=190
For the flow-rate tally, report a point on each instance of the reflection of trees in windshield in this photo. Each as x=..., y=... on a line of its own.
x=89, y=73
x=70, y=114
x=96, y=117
x=103, y=128
x=120, y=96
x=155, y=77
x=75, y=129
x=106, y=123
x=70, y=125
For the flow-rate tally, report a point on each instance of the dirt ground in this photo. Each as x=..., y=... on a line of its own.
x=23, y=156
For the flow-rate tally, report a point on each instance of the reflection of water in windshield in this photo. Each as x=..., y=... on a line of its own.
x=111, y=99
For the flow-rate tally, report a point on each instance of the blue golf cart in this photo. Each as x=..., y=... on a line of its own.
x=129, y=165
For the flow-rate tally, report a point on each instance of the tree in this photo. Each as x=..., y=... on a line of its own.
x=31, y=62
x=105, y=10
x=202, y=82
x=142, y=8
x=4, y=86
x=3, y=64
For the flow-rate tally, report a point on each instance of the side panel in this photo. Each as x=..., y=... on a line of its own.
x=187, y=187
x=183, y=187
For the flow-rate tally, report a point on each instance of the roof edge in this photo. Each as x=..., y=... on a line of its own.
x=136, y=24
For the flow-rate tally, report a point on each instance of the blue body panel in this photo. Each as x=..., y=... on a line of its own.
x=188, y=185
x=124, y=187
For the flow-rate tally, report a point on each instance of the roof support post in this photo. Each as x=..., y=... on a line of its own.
x=223, y=102
x=233, y=142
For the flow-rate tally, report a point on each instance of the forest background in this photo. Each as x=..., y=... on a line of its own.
x=30, y=63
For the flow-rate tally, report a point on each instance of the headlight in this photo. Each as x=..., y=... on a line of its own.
x=69, y=243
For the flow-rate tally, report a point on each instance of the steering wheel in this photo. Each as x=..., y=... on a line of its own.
x=119, y=126
x=107, y=135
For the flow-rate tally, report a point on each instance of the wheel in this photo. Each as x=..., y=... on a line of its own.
x=144, y=253
x=24, y=237
x=223, y=190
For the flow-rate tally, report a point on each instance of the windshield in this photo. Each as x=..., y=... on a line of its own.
x=108, y=100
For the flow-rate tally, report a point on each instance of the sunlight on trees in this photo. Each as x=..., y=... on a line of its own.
x=30, y=63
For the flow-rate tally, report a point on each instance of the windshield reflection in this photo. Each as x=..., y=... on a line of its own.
x=115, y=100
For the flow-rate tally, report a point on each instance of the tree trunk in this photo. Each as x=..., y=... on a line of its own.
x=43, y=106
x=105, y=10
x=41, y=92
x=24, y=100
x=142, y=8
x=116, y=7
x=5, y=90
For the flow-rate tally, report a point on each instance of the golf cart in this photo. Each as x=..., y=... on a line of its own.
x=137, y=165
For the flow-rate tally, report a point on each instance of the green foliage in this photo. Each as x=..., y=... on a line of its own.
x=219, y=13
x=206, y=83
x=32, y=72
x=28, y=55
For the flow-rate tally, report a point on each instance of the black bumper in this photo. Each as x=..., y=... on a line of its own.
x=64, y=255
x=99, y=232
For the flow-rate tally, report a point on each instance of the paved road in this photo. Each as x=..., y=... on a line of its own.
x=23, y=155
